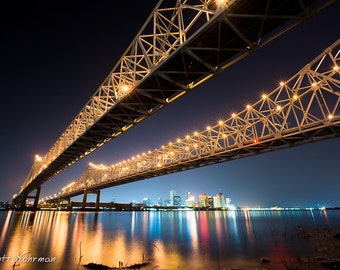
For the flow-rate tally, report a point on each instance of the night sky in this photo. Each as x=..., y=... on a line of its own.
x=54, y=55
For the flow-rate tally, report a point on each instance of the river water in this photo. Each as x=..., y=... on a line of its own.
x=170, y=239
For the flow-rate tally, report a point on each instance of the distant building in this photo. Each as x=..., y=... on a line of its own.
x=4, y=205
x=211, y=201
x=215, y=201
x=219, y=200
x=147, y=201
x=229, y=205
x=167, y=203
x=172, y=194
x=160, y=201
x=190, y=201
x=177, y=200
x=204, y=200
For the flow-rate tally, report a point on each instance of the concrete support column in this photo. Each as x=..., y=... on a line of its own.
x=27, y=196
x=70, y=205
x=59, y=202
x=83, y=205
x=36, y=199
x=97, y=192
x=97, y=199
x=23, y=202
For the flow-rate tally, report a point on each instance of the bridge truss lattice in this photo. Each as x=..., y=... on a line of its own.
x=303, y=109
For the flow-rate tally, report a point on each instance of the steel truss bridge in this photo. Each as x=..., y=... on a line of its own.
x=181, y=44
x=305, y=108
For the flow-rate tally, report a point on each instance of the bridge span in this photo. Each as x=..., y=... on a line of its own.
x=303, y=109
x=181, y=44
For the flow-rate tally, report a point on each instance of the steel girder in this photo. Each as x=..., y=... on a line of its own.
x=305, y=108
x=182, y=44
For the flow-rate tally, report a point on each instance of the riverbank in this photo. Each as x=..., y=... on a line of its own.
x=128, y=207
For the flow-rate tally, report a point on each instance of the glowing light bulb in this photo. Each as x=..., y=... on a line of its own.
x=125, y=87
x=221, y=2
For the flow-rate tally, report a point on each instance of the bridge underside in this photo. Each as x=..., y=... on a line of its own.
x=235, y=33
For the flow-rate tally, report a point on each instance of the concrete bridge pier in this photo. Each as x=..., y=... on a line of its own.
x=35, y=197
x=97, y=192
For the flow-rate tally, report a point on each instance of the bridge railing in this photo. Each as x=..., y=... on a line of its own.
x=301, y=109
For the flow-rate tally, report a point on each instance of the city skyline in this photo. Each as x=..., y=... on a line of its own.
x=63, y=65
x=155, y=200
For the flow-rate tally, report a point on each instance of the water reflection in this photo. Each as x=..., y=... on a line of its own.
x=5, y=227
x=191, y=231
x=249, y=228
x=171, y=240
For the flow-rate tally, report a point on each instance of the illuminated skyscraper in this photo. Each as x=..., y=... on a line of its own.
x=172, y=194
x=147, y=201
x=211, y=201
x=160, y=201
x=219, y=200
x=190, y=201
x=177, y=200
x=228, y=202
x=204, y=201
